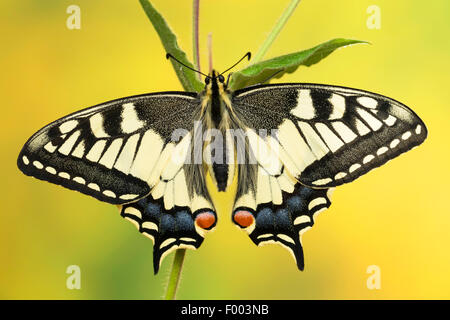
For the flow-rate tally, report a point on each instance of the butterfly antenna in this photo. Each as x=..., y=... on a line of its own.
x=168, y=55
x=248, y=55
x=272, y=76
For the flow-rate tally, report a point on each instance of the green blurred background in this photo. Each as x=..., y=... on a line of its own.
x=396, y=217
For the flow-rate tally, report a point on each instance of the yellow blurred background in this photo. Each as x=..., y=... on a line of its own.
x=396, y=217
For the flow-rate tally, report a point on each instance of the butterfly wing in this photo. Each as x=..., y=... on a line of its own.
x=130, y=149
x=306, y=140
x=285, y=223
x=332, y=135
x=173, y=216
x=112, y=150
x=271, y=206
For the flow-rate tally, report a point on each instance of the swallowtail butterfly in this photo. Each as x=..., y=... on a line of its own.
x=289, y=145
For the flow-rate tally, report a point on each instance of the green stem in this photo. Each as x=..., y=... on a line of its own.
x=210, y=58
x=275, y=31
x=195, y=42
x=175, y=274
x=177, y=266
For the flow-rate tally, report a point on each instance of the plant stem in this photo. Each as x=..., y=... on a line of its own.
x=275, y=31
x=175, y=274
x=195, y=44
x=209, y=43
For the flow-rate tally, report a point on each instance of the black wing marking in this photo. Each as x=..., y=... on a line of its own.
x=331, y=135
x=115, y=151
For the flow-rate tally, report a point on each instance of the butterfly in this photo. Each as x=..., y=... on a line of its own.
x=288, y=146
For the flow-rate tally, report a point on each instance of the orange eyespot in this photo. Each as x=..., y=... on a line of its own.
x=205, y=220
x=243, y=218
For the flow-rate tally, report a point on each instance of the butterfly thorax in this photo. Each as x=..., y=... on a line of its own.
x=216, y=101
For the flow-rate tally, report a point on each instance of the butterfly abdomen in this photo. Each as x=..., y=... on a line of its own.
x=221, y=175
x=222, y=164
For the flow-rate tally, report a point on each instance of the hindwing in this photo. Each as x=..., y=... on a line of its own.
x=180, y=222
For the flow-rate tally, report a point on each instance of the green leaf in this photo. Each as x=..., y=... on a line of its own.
x=187, y=77
x=261, y=71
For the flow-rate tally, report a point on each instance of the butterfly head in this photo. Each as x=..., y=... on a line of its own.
x=215, y=80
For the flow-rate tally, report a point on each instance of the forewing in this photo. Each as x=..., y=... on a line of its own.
x=331, y=135
x=116, y=151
